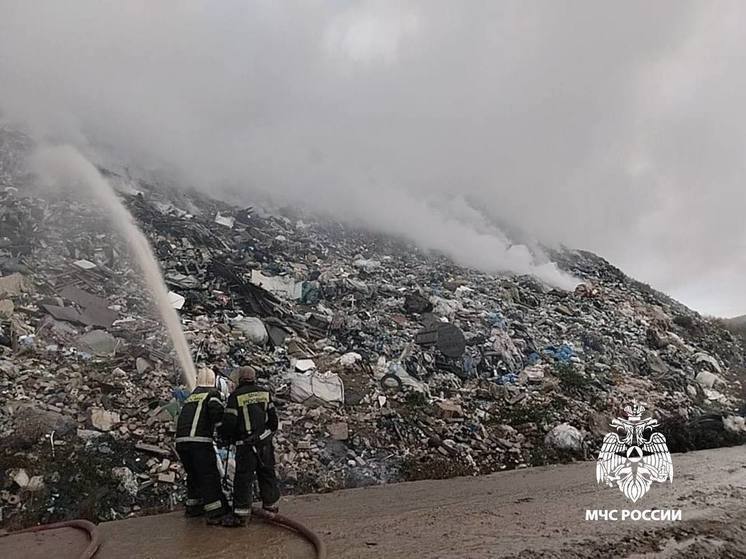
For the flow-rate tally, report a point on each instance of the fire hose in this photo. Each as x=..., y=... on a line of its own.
x=84, y=525
x=95, y=541
x=279, y=519
x=285, y=522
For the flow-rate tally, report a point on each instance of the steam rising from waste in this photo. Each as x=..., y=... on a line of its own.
x=65, y=166
x=375, y=111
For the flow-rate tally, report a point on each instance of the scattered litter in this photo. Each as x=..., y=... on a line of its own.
x=227, y=221
x=379, y=357
x=85, y=264
x=315, y=388
x=177, y=301
x=564, y=437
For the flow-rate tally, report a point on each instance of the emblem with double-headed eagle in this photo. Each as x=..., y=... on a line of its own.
x=629, y=459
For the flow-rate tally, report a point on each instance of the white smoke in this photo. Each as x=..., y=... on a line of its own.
x=390, y=114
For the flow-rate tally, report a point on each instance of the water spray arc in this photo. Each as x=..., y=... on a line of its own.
x=66, y=166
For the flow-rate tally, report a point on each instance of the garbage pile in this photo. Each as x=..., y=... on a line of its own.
x=387, y=363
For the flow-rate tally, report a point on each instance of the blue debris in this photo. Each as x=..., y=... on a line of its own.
x=180, y=394
x=563, y=354
x=533, y=359
x=508, y=378
x=497, y=320
x=470, y=365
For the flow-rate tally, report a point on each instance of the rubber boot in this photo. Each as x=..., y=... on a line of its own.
x=194, y=510
x=274, y=508
x=233, y=521
x=215, y=520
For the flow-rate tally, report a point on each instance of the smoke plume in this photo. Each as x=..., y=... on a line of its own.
x=615, y=128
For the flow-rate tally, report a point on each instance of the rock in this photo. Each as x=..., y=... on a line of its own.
x=448, y=409
x=564, y=437
x=599, y=424
x=142, y=365
x=349, y=359
x=20, y=477
x=35, y=484
x=104, y=420
x=562, y=309
x=167, y=477
x=707, y=379
x=12, y=285
x=414, y=303
x=446, y=307
x=339, y=430
x=6, y=308
x=98, y=342
x=715, y=395
x=127, y=480
x=533, y=374
x=367, y=265
x=655, y=364
x=735, y=424
x=8, y=370
x=89, y=434
x=32, y=424
x=655, y=339
x=304, y=365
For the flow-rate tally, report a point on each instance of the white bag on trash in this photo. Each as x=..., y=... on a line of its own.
x=314, y=388
x=252, y=327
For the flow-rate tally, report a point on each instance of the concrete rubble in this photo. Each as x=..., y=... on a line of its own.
x=387, y=363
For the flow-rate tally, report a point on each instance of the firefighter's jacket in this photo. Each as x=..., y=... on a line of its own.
x=250, y=416
x=201, y=413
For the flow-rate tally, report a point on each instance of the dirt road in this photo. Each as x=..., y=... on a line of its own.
x=537, y=512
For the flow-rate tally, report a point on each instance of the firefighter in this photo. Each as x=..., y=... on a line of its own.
x=250, y=420
x=200, y=415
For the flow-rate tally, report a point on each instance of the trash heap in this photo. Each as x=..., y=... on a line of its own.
x=387, y=363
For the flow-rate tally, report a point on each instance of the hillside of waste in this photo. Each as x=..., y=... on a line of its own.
x=387, y=363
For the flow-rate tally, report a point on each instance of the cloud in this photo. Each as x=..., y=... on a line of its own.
x=616, y=128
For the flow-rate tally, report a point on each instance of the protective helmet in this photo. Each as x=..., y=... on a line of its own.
x=205, y=377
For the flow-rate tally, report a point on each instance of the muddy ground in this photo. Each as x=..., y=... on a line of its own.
x=537, y=512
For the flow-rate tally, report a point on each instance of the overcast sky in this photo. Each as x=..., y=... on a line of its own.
x=616, y=127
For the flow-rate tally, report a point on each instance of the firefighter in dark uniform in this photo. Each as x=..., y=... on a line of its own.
x=250, y=420
x=200, y=415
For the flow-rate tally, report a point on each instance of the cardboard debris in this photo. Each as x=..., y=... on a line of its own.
x=284, y=287
x=6, y=308
x=12, y=285
x=85, y=264
x=226, y=221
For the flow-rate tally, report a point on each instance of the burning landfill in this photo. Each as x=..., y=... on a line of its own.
x=386, y=363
